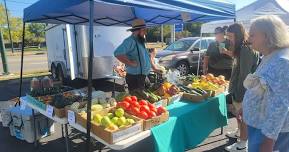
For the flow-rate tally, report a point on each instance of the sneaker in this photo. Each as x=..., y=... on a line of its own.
x=240, y=146
x=233, y=134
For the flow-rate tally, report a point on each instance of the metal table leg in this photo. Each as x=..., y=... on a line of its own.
x=66, y=138
x=222, y=130
x=35, y=131
x=62, y=131
x=113, y=91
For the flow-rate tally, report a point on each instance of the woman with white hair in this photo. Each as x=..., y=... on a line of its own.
x=266, y=101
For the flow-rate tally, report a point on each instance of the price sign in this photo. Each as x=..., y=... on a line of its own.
x=49, y=110
x=71, y=117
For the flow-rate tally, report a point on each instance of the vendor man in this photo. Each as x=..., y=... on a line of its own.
x=133, y=53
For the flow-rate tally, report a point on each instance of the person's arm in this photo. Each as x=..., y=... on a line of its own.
x=227, y=52
x=205, y=64
x=124, y=59
x=277, y=102
x=206, y=58
x=247, y=61
x=122, y=50
x=152, y=61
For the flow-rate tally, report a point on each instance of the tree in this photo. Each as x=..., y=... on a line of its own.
x=36, y=33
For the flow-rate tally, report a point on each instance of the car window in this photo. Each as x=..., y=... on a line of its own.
x=204, y=44
x=180, y=45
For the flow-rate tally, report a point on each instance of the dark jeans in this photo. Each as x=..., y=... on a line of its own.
x=136, y=81
x=217, y=72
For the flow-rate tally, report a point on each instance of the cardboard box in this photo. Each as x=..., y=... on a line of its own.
x=175, y=98
x=112, y=137
x=218, y=91
x=61, y=113
x=195, y=98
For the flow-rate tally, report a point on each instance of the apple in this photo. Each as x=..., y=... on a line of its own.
x=129, y=122
x=97, y=118
x=121, y=121
x=143, y=102
x=110, y=115
x=112, y=127
x=119, y=112
x=105, y=121
x=143, y=115
x=114, y=120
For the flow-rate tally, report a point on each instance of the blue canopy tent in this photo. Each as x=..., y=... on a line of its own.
x=121, y=13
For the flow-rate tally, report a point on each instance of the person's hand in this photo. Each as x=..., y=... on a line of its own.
x=205, y=70
x=267, y=145
x=240, y=115
x=158, y=71
x=133, y=63
x=223, y=51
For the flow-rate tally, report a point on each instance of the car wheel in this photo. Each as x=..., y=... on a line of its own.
x=53, y=72
x=60, y=75
x=183, y=67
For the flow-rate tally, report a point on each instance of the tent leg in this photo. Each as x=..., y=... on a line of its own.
x=199, y=58
x=91, y=12
x=21, y=69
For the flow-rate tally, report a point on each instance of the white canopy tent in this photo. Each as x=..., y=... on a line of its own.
x=252, y=11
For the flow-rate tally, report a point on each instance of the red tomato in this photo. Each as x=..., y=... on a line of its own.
x=151, y=105
x=145, y=108
x=133, y=98
x=161, y=110
x=135, y=103
x=128, y=99
x=154, y=109
x=152, y=114
x=135, y=111
x=143, y=102
x=125, y=105
x=143, y=115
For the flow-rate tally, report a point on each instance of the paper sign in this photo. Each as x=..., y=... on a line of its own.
x=120, y=135
x=49, y=110
x=71, y=116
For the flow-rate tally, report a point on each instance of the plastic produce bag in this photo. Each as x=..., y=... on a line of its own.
x=174, y=77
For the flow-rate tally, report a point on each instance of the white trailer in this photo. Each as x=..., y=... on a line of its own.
x=68, y=50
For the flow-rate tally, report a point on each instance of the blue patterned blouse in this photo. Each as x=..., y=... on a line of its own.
x=266, y=101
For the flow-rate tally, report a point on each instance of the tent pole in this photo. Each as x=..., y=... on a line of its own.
x=21, y=69
x=88, y=124
x=199, y=58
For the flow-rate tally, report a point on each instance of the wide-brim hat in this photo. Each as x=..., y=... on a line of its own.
x=137, y=24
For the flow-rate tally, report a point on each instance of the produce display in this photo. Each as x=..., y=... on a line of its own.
x=146, y=95
x=194, y=91
x=167, y=90
x=45, y=87
x=140, y=108
x=111, y=121
x=209, y=82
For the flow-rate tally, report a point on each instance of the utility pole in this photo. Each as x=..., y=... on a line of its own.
x=8, y=24
x=3, y=55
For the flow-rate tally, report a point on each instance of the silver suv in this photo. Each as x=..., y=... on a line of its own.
x=184, y=53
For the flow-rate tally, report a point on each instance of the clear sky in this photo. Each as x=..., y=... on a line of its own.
x=16, y=6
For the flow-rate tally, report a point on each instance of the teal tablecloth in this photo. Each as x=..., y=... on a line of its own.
x=189, y=124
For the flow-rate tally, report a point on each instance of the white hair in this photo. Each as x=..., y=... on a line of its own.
x=274, y=29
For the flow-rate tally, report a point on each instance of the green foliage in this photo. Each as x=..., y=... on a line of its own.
x=190, y=30
x=34, y=32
